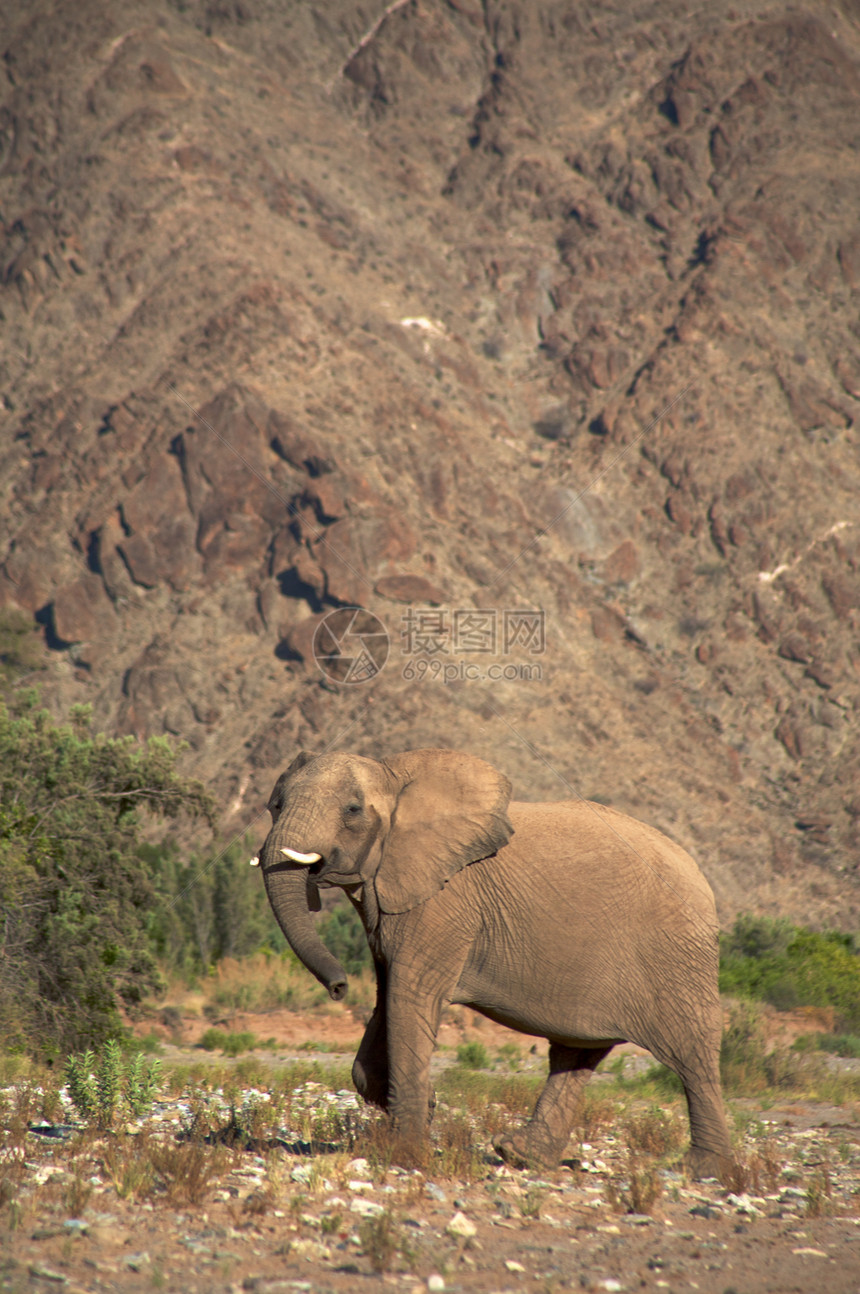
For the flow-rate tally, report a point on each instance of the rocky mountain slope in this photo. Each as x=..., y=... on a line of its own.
x=457, y=312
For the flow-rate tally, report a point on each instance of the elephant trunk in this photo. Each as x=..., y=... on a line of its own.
x=287, y=888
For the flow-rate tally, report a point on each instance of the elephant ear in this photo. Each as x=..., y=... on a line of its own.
x=450, y=811
x=276, y=799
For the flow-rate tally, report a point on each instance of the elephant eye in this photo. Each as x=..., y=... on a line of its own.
x=353, y=809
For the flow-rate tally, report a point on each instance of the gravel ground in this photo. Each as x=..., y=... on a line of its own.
x=284, y=1221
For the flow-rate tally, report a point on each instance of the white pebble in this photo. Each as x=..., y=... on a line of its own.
x=461, y=1226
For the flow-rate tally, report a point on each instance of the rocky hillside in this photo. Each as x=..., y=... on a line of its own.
x=452, y=311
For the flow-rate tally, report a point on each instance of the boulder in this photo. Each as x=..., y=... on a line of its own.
x=82, y=611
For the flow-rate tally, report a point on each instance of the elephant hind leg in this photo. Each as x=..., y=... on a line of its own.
x=541, y=1143
x=710, y=1153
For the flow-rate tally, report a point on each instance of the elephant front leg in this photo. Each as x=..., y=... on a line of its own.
x=370, y=1067
x=412, y=1028
x=541, y=1143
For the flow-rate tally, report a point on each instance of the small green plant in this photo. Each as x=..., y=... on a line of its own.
x=99, y=1087
x=77, y=1193
x=473, y=1055
x=330, y=1223
x=457, y=1153
x=511, y=1054
x=747, y=1066
x=531, y=1203
x=596, y=1111
x=641, y=1188
x=644, y=1186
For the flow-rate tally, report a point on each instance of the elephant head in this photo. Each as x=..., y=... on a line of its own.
x=402, y=826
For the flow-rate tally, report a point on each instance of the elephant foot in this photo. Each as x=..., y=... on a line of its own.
x=700, y=1164
x=522, y=1149
x=409, y=1152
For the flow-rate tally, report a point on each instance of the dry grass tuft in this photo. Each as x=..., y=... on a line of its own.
x=654, y=1131
x=819, y=1193
x=596, y=1111
x=187, y=1171
x=128, y=1167
x=383, y=1240
x=759, y=1170
x=640, y=1189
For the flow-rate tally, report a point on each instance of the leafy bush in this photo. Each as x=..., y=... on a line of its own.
x=840, y=1044
x=343, y=934
x=792, y=966
x=232, y=1044
x=21, y=650
x=207, y=908
x=746, y=1065
x=473, y=1055
x=74, y=894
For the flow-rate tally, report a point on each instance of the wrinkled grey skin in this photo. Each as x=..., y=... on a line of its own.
x=567, y=921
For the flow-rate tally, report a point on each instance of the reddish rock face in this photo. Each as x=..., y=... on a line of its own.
x=82, y=611
x=269, y=353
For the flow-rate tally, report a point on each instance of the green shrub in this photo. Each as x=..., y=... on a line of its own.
x=473, y=1055
x=790, y=966
x=746, y=1065
x=206, y=908
x=343, y=934
x=74, y=894
x=232, y=1044
x=21, y=650
x=840, y=1044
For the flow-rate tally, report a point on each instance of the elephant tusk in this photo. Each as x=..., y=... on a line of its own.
x=255, y=862
x=301, y=858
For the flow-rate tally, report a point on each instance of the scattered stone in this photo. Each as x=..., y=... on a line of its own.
x=461, y=1226
x=358, y=1167
x=435, y=1283
x=436, y=1193
x=48, y=1274
x=311, y=1250
x=365, y=1208
x=513, y=1266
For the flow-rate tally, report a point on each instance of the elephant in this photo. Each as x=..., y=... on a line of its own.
x=565, y=920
